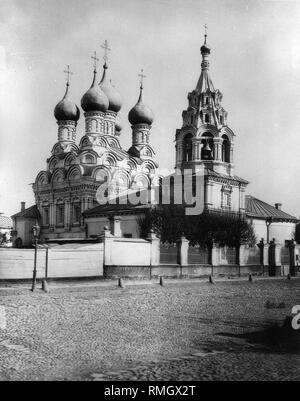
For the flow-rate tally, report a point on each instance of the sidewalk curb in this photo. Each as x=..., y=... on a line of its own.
x=113, y=285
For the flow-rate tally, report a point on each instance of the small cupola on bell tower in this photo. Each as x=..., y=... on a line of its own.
x=141, y=118
x=67, y=114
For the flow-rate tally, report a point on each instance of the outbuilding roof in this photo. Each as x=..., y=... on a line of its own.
x=259, y=209
x=30, y=212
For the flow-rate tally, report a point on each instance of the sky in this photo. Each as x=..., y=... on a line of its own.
x=254, y=62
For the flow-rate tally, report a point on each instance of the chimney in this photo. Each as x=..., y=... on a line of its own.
x=278, y=206
x=22, y=206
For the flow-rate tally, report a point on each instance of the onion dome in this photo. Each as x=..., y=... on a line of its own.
x=118, y=124
x=205, y=49
x=94, y=99
x=140, y=113
x=114, y=98
x=65, y=109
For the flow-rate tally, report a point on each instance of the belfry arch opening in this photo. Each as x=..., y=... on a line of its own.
x=225, y=149
x=207, y=150
x=188, y=148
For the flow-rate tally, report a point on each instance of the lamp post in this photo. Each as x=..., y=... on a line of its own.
x=36, y=233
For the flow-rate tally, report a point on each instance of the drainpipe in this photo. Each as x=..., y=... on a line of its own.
x=269, y=221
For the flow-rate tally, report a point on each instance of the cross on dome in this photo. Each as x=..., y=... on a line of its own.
x=95, y=58
x=106, y=50
x=68, y=72
x=205, y=35
x=142, y=78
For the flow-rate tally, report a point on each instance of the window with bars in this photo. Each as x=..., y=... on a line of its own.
x=60, y=214
x=226, y=199
x=46, y=216
x=76, y=213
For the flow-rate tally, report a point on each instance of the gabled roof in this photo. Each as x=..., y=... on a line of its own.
x=258, y=209
x=30, y=212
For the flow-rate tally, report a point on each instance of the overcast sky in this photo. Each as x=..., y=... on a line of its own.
x=255, y=62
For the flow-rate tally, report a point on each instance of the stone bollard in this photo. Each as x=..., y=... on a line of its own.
x=289, y=276
x=250, y=278
x=161, y=281
x=210, y=280
x=121, y=283
x=45, y=286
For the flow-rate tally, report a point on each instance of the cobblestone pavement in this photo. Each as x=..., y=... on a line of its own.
x=191, y=331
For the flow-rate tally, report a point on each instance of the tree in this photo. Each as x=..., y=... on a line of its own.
x=170, y=222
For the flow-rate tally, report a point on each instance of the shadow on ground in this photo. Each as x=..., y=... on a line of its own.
x=273, y=338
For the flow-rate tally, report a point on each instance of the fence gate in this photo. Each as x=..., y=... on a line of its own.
x=285, y=256
x=231, y=256
x=227, y=256
x=198, y=255
x=252, y=256
x=168, y=254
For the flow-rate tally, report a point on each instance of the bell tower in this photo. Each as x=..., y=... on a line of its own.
x=204, y=144
x=205, y=138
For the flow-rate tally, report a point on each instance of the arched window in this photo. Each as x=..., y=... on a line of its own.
x=46, y=214
x=60, y=213
x=188, y=148
x=208, y=150
x=225, y=149
x=76, y=212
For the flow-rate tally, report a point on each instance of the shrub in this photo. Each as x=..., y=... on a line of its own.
x=170, y=222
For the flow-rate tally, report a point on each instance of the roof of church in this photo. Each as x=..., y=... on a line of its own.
x=140, y=113
x=30, y=212
x=259, y=209
x=113, y=208
x=255, y=208
x=113, y=96
x=5, y=222
x=212, y=173
x=205, y=83
x=66, y=109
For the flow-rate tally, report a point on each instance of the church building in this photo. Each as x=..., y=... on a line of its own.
x=65, y=192
x=74, y=172
x=205, y=144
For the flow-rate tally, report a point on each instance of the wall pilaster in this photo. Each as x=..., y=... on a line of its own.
x=218, y=148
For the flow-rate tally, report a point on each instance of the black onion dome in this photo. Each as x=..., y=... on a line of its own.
x=114, y=97
x=66, y=110
x=94, y=99
x=205, y=49
x=140, y=113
